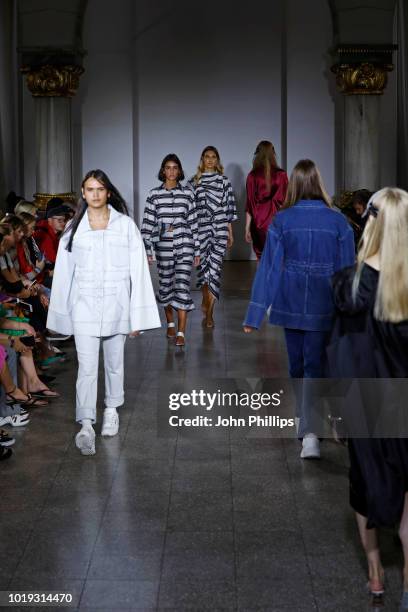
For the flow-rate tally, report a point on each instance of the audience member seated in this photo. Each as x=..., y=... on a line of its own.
x=47, y=234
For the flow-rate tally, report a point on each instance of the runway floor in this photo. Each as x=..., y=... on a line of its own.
x=227, y=522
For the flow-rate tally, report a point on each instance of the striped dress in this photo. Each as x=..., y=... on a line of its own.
x=170, y=230
x=216, y=208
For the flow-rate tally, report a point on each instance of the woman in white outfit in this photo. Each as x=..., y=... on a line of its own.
x=101, y=291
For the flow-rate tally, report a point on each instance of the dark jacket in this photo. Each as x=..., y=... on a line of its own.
x=306, y=244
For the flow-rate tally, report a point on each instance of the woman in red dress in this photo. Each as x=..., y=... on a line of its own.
x=266, y=191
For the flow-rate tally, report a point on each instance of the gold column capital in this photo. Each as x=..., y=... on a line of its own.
x=53, y=81
x=363, y=78
x=41, y=199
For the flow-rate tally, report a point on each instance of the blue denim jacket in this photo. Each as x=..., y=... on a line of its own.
x=306, y=244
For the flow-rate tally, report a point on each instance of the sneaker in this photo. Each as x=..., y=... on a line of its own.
x=5, y=439
x=51, y=337
x=310, y=447
x=16, y=420
x=110, y=425
x=85, y=441
x=5, y=453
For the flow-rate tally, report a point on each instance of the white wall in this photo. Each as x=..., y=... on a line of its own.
x=103, y=107
x=310, y=107
x=207, y=77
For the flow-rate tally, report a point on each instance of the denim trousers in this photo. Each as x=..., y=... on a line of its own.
x=306, y=351
x=87, y=382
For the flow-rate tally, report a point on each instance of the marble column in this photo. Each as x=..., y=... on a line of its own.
x=362, y=142
x=362, y=84
x=53, y=87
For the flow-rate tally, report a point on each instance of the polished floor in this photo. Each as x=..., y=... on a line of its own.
x=180, y=523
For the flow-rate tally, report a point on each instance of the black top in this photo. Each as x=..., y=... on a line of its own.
x=366, y=347
x=363, y=347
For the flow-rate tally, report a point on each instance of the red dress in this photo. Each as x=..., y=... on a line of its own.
x=262, y=204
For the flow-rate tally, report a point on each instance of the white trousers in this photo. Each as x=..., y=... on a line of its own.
x=87, y=382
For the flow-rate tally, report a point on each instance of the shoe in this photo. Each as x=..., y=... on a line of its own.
x=375, y=587
x=5, y=453
x=171, y=330
x=180, y=339
x=310, y=447
x=5, y=439
x=110, y=424
x=51, y=337
x=404, y=602
x=15, y=420
x=85, y=441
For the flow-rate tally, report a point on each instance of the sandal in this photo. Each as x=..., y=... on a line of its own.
x=171, y=326
x=11, y=400
x=30, y=401
x=180, y=341
x=44, y=394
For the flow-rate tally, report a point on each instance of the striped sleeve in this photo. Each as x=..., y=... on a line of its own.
x=149, y=223
x=230, y=202
x=192, y=220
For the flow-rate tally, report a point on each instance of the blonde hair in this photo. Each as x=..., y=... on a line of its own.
x=26, y=218
x=219, y=169
x=386, y=233
x=25, y=207
x=265, y=159
x=306, y=183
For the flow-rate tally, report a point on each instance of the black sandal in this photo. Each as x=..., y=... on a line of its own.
x=30, y=401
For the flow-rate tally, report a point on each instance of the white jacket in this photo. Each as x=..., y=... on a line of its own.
x=103, y=287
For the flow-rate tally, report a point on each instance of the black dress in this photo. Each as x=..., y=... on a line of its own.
x=363, y=347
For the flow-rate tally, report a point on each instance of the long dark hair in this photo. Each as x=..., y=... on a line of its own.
x=115, y=200
x=171, y=157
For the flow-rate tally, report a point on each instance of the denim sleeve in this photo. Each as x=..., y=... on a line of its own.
x=346, y=254
x=265, y=282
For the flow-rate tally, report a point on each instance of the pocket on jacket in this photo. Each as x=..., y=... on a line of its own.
x=82, y=255
x=119, y=252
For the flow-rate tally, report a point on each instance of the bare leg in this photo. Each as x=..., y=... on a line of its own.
x=182, y=322
x=10, y=388
x=30, y=380
x=204, y=303
x=171, y=331
x=210, y=310
x=369, y=541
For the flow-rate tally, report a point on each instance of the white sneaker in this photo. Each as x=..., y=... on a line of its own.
x=110, y=424
x=85, y=441
x=310, y=447
x=15, y=420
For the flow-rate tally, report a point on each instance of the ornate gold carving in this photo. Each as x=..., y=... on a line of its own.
x=343, y=200
x=53, y=81
x=41, y=199
x=364, y=78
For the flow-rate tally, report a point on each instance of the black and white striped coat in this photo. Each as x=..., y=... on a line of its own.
x=175, y=209
x=216, y=208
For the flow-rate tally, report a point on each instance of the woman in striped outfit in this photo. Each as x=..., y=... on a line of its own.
x=216, y=212
x=170, y=229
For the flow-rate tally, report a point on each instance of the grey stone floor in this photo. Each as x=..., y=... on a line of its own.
x=212, y=523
